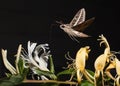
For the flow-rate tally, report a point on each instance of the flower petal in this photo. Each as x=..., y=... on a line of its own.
x=6, y=62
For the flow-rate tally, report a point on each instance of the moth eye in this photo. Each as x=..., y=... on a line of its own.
x=62, y=26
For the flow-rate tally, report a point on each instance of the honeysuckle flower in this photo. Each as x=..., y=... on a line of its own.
x=101, y=60
x=78, y=65
x=43, y=58
x=114, y=64
x=37, y=57
x=80, y=62
x=7, y=64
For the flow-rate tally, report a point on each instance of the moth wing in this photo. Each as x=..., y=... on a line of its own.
x=81, y=27
x=80, y=34
x=78, y=18
x=83, y=35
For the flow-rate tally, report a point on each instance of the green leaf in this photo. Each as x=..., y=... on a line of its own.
x=51, y=65
x=68, y=71
x=22, y=71
x=16, y=79
x=6, y=83
x=21, y=65
x=25, y=72
x=8, y=74
x=86, y=83
x=46, y=73
x=12, y=81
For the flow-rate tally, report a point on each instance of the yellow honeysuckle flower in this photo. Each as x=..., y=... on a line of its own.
x=81, y=57
x=101, y=60
x=114, y=63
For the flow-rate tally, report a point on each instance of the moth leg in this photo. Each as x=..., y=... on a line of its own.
x=73, y=38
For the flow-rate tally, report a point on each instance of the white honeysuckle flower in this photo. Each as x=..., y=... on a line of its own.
x=43, y=58
x=37, y=57
x=31, y=48
x=12, y=69
x=7, y=63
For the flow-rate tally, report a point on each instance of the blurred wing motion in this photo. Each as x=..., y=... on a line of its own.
x=77, y=25
x=85, y=24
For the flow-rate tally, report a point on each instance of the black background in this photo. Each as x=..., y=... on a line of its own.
x=34, y=20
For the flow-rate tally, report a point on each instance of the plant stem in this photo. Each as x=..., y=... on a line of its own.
x=50, y=81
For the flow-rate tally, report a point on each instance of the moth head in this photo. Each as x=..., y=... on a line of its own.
x=62, y=26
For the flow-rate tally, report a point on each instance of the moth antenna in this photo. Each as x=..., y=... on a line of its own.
x=52, y=25
x=59, y=22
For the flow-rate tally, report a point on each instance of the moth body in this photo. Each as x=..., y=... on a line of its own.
x=77, y=25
